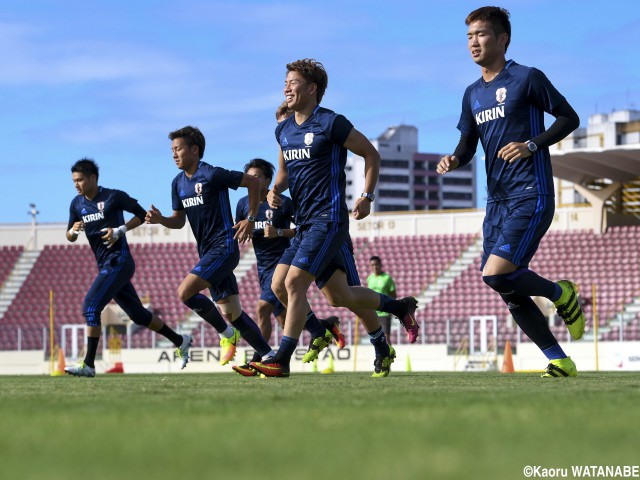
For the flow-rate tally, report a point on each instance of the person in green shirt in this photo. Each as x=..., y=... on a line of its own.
x=381, y=282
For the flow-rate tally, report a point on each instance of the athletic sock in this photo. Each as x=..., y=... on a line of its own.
x=554, y=352
x=92, y=348
x=528, y=283
x=313, y=325
x=379, y=342
x=171, y=335
x=530, y=319
x=391, y=305
x=287, y=347
x=251, y=333
x=227, y=333
x=207, y=310
x=256, y=357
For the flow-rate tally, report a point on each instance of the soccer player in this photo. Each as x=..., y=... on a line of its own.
x=99, y=212
x=381, y=282
x=313, y=150
x=200, y=192
x=271, y=235
x=504, y=109
x=283, y=112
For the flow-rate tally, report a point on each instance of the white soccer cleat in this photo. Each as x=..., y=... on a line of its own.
x=182, y=352
x=81, y=370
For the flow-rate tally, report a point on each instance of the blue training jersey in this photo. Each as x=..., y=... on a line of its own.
x=105, y=210
x=315, y=159
x=268, y=250
x=508, y=109
x=205, y=198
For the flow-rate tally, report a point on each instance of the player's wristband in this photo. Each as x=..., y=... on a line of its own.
x=119, y=232
x=72, y=232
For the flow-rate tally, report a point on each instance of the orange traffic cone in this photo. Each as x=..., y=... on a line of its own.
x=507, y=361
x=59, y=372
x=118, y=368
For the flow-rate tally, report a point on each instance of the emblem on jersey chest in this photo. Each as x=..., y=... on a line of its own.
x=501, y=95
x=308, y=138
x=100, y=206
x=198, y=189
x=269, y=214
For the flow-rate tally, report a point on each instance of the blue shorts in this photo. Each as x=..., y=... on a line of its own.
x=265, y=276
x=346, y=262
x=216, y=267
x=321, y=249
x=114, y=283
x=513, y=229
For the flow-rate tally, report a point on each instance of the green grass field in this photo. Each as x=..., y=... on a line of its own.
x=407, y=426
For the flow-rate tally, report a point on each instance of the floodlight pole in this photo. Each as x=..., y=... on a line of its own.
x=34, y=226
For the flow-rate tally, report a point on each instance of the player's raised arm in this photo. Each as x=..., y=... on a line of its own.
x=175, y=221
x=462, y=155
x=244, y=228
x=280, y=185
x=112, y=235
x=74, y=230
x=359, y=144
x=446, y=164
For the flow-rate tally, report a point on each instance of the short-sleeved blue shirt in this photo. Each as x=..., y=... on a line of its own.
x=205, y=198
x=105, y=210
x=315, y=159
x=268, y=250
x=508, y=109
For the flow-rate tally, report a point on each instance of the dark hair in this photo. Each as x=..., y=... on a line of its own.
x=87, y=167
x=313, y=72
x=375, y=258
x=267, y=168
x=192, y=136
x=498, y=17
x=283, y=111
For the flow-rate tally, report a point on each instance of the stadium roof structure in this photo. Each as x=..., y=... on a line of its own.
x=586, y=165
x=608, y=178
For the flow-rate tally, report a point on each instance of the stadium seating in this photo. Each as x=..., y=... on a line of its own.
x=8, y=257
x=609, y=261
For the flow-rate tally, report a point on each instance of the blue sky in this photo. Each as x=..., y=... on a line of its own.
x=109, y=80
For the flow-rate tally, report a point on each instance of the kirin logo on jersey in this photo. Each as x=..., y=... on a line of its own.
x=296, y=154
x=269, y=214
x=193, y=201
x=308, y=138
x=489, y=114
x=93, y=217
x=501, y=95
x=100, y=206
x=198, y=189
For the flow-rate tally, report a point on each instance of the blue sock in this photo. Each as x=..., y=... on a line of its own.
x=207, y=310
x=554, y=352
x=379, y=342
x=92, y=348
x=530, y=319
x=557, y=294
x=526, y=282
x=287, y=347
x=313, y=325
x=391, y=305
x=251, y=333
